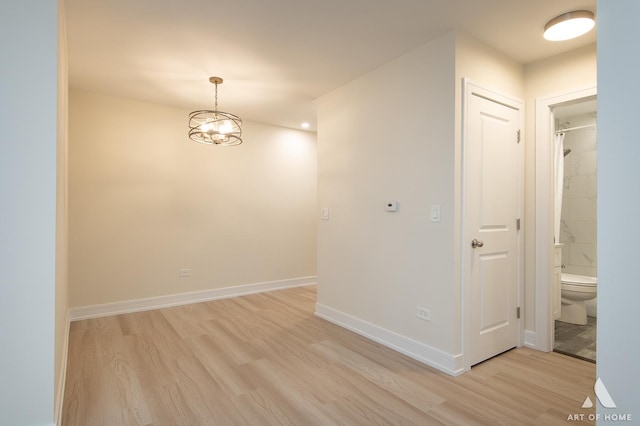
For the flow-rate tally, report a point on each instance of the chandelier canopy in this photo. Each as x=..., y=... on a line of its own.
x=213, y=127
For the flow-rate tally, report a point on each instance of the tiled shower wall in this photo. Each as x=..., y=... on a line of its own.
x=579, y=214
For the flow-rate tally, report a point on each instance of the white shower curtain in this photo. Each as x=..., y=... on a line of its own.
x=559, y=183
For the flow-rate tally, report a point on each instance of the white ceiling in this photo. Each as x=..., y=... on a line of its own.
x=277, y=56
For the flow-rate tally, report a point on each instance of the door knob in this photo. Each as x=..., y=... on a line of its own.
x=476, y=243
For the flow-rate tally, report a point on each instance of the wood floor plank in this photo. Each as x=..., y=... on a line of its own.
x=203, y=391
x=266, y=359
x=382, y=377
x=229, y=375
x=112, y=369
x=355, y=386
x=286, y=393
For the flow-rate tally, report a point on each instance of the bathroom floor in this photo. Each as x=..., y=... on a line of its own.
x=577, y=340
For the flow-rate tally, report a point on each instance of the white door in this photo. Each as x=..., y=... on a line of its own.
x=491, y=191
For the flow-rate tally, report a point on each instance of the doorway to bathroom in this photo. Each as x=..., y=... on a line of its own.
x=569, y=110
x=575, y=228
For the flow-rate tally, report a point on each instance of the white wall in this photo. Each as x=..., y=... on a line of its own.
x=28, y=102
x=62, y=224
x=557, y=75
x=393, y=134
x=618, y=226
x=389, y=135
x=146, y=201
x=487, y=67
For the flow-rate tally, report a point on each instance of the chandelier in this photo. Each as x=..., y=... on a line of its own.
x=213, y=127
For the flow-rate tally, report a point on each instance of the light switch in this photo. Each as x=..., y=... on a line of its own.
x=325, y=213
x=391, y=206
x=435, y=213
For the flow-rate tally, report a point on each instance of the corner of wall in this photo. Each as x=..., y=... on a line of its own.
x=61, y=319
x=61, y=377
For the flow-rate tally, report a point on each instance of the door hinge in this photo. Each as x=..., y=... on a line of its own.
x=518, y=136
x=518, y=224
x=518, y=312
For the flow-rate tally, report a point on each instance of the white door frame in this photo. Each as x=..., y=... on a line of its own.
x=469, y=87
x=545, y=128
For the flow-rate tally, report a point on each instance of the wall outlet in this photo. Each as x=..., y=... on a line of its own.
x=391, y=206
x=185, y=272
x=423, y=313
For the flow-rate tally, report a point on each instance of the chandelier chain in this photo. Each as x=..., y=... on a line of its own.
x=216, y=103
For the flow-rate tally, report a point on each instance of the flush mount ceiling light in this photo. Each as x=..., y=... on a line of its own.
x=215, y=127
x=569, y=25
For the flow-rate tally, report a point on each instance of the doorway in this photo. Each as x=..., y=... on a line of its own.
x=575, y=235
x=547, y=285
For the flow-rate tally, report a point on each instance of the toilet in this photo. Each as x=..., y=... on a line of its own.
x=575, y=291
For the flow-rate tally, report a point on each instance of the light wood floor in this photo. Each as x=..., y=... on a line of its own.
x=265, y=359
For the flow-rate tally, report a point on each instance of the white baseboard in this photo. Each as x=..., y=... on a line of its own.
x=158, y=302
x=62, y=379
x=447, y=363
x=530, y=339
